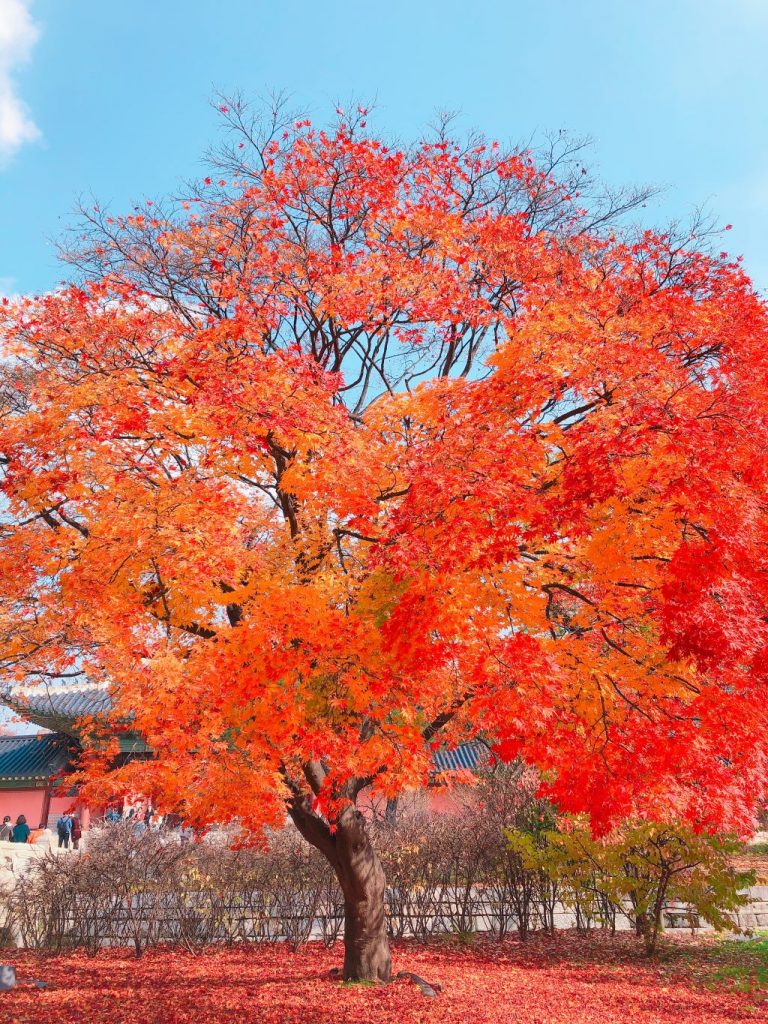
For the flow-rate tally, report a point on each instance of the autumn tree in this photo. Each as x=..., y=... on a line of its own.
x=359, y=450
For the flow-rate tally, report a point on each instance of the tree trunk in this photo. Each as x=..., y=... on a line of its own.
x=361, y=877
x=350, y=852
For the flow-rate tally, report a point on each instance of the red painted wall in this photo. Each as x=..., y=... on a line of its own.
x=28, y=802
x=437, y=800
x=60, y=804
x=447, y=801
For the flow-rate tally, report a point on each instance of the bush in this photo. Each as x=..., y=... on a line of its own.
x=499, y=863
x=641, y=870
x=154, y=888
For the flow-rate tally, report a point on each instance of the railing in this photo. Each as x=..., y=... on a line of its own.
x=200, y=918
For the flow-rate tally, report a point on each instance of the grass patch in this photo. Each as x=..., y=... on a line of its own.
x=720, y=964
x=744, y=965
x=756, y=850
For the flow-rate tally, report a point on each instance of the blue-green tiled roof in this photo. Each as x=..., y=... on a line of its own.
x=31, y=758
x=466, y=755
x=59, y=707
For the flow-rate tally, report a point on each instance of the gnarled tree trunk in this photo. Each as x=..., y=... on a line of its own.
x=361, y=877
x=355, y=862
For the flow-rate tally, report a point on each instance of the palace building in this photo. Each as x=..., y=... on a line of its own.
x=33, y=766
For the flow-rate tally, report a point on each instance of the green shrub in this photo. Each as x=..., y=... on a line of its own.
x=639, y=870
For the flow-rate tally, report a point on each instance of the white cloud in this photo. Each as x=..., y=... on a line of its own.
x=18, y=35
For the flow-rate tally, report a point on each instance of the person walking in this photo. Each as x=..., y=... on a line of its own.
x=21, y=830
x=6, y=830
x=64, y=830
x=77, y=833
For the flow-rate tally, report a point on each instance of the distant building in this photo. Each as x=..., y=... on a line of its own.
x=30, y=769
x=32, y=766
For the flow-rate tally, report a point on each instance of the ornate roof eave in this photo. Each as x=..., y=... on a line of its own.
x=62, y=707
x=59, y=708
x=31, y=760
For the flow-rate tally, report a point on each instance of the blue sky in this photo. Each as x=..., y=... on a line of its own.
x=111, y=97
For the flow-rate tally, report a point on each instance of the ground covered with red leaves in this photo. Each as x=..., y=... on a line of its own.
x=567, y=979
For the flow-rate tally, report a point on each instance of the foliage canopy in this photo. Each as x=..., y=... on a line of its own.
x=365, y=449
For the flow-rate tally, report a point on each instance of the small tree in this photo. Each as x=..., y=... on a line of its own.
x=661, y=864
x=639, y=869
x=358, y=450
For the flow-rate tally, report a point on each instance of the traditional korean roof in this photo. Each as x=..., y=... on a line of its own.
x=31, y=760
x=58, y=707
x=467, y=756
x=61, y=707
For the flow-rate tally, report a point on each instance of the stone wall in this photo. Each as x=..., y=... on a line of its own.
x=15, y=857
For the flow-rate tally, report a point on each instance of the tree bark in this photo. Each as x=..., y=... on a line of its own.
x=363, y=883
x=351, y=854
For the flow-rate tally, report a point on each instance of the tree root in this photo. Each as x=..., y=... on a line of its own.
x=426, y=989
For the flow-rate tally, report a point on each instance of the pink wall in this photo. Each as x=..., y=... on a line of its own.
x=28, y=802
x=437, y=799
x=447, y=801
x=60, y=804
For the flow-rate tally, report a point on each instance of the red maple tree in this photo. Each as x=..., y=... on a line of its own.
x=361, y=450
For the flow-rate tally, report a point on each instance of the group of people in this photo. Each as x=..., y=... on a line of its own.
x=144, y=819
x=68, y=829
x=18, y=833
